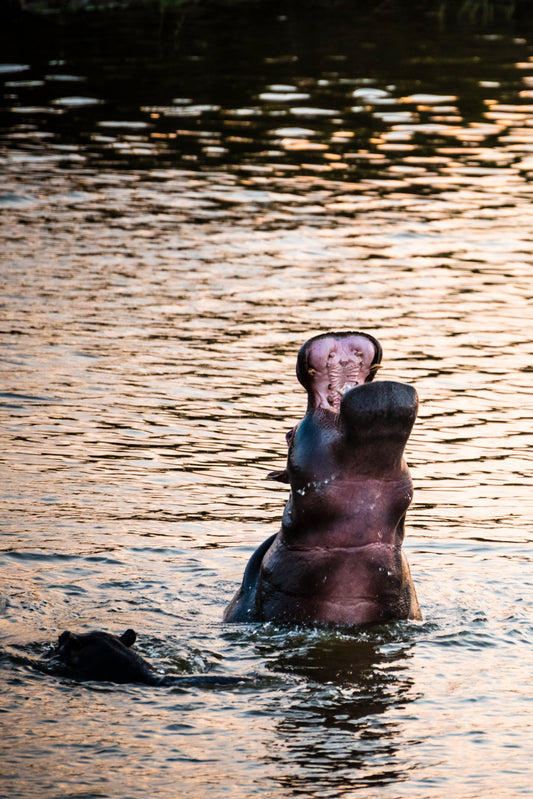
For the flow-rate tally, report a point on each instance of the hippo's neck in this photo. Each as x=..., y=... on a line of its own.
x=341, y=490
x=348, y=513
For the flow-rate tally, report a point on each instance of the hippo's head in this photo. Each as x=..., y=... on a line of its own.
x=98, y=655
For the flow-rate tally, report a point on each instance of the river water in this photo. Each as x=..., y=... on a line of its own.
x=188, y=195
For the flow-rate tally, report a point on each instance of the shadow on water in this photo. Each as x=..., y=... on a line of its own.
x=331, y=695
x=316, y=88
x=335, y=727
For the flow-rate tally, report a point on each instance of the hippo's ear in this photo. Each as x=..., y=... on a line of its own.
x=67, y=640
x=129, y=637
x=281, y=477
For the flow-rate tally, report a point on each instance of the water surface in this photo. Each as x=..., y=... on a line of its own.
x=186, y=197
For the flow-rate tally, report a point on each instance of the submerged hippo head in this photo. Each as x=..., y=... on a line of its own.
x=337, y=558
x=98, y=655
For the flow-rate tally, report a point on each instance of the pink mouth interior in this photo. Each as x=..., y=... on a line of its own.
x=335, y=365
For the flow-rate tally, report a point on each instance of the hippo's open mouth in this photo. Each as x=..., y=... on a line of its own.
x=330, y=364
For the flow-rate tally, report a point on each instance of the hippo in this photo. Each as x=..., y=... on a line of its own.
x=337, y=559
x=99, y=655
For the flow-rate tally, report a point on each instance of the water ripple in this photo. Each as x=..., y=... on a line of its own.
x=172, y=231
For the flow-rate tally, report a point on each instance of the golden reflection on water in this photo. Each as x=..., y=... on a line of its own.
x=161, y=269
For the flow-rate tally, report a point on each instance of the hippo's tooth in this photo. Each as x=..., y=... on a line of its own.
x=346, y=387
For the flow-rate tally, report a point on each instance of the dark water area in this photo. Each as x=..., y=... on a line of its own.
x=187, y=194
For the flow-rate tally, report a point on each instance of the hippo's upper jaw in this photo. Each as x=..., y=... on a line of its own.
x=332, y=363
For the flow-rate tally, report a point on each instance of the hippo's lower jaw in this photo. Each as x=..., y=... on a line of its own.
x=337, y=558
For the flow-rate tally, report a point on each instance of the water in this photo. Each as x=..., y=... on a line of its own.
x=182, y=206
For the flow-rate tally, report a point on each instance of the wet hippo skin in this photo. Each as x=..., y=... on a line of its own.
x=338, y=556
x=99, y=655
